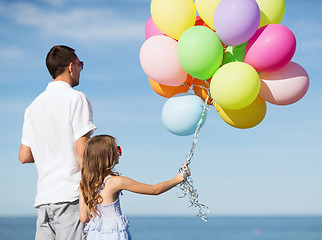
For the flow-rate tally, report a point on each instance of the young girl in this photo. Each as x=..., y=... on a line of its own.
x=100, y=188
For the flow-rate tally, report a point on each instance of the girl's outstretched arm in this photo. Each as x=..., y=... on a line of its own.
x=125, y=183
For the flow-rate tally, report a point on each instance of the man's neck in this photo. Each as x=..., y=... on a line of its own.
x=64, y=78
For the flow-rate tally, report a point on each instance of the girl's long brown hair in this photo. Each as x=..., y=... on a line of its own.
x=100, y=157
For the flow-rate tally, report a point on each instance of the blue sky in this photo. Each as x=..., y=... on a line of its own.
x=272, y=169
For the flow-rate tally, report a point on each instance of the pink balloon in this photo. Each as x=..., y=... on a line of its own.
x=285, y=86
x=159, y=60
x=271, y=48
x=151, y=29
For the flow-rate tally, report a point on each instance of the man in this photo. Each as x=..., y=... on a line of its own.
x=57, y=125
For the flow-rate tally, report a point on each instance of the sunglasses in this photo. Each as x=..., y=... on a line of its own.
x=80, y=65
x=119, y=150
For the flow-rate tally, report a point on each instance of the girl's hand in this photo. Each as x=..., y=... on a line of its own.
x=183, y=173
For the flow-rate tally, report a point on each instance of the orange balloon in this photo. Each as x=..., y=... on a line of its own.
x=169, y=91
x=200, y=89
x=189, y=81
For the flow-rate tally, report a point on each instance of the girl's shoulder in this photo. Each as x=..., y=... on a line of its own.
x=114, y=180
x=118, y=182
x=110, y=183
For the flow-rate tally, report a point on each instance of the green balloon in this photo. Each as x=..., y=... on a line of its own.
x=234, y=53
x=200, y=52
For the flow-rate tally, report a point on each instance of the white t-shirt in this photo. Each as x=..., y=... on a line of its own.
x=53, y=122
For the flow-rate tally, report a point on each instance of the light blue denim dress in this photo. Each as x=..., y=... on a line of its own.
x=111, y=224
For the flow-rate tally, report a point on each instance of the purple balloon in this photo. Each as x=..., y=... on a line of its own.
x=236, y=21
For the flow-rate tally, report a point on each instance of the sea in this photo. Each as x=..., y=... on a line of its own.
x=193, y=228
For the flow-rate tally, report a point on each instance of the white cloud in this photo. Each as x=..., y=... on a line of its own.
x=309, y=27
x=12, y=106
x=81, y=25
x=143, y=112
x=311, y=45
x=311, y=33
x=11, y=54
x=55, y=2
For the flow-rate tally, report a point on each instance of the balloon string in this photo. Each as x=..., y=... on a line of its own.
x=203, y=87
x=211, y=101
x=187, y=186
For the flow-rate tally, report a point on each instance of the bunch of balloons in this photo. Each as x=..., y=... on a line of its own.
x=234, y=52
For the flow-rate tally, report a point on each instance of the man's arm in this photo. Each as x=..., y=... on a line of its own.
x=82, y=209
x=25, y=154
x=80, y=146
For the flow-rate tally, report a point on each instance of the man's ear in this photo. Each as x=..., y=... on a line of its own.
x=69, y=67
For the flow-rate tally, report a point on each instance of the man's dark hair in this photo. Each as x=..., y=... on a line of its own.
x=58, y=58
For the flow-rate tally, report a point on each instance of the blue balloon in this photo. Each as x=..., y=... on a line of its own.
x=182, y=112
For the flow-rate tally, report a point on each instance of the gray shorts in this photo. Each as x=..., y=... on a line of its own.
x=59, y=221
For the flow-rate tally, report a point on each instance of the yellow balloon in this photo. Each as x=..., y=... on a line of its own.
x=235, y=85
x=206, y=10
x=272, y=11
x=247, y=117
x=173, y=17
